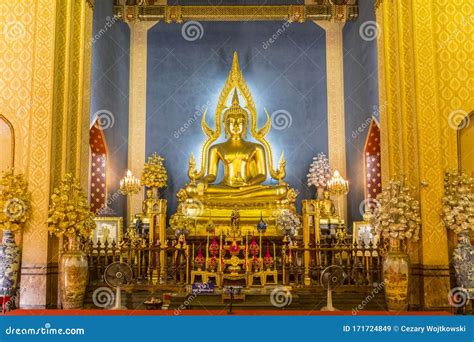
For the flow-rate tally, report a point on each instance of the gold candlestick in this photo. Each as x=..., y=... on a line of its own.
x=129, y=186
x=339, y=187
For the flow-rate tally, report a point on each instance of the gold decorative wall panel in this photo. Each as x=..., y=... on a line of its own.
x=26, y=65
x=425, y=83
x=453, y=36
x=30, y=95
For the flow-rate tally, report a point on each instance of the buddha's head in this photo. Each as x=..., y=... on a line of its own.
x=235, y=120
x=326, y=194
x=149, y=193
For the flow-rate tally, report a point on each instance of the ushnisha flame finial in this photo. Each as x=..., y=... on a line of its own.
x=235, y=82
x=235, y=70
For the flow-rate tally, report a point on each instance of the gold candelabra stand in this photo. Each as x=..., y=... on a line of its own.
x=129, y=186
x=338, y=186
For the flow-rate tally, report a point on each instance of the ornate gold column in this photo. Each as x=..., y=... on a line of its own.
x=137, y=104
x=425, y=85
x=335, y=97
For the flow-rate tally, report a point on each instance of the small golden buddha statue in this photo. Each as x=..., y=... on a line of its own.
x=235, y=221
x=244, y=164
x=326, y=206
x=151, y=205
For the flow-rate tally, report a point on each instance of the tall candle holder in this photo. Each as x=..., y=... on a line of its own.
x=339, y=187
x=129, y=186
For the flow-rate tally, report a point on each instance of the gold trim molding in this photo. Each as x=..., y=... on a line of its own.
x=292, y=13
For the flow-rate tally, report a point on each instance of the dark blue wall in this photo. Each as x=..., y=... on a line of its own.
x=288, y=74
x=109, y=93
x=361, y=98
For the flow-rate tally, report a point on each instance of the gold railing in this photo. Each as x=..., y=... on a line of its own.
x=168, y=266
x=151, y=265
x=361, y=264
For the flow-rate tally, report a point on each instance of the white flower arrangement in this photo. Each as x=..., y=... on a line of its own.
x=397, y=214
x=458, y=202
x=288, y=222
x=319, y=171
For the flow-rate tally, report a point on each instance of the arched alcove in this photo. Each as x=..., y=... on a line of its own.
x=98, y=168
x=7, y=141
x=372, y=162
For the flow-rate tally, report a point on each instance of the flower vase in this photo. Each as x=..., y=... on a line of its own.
x=74, y=275
x=463, y=261
x=9, y=264
x=396, y=271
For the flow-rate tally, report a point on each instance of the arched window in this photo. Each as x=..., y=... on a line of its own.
x=98, y=168
x=372, y=161
x=7, y=141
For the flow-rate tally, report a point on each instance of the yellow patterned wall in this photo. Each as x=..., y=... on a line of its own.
x=26, y=96
x=29, y=90
x=453, y=33
x=427, y=77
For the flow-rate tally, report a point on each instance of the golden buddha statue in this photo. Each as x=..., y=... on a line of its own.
x=326, y=206
x=246, y=165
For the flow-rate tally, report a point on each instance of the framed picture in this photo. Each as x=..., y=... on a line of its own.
x=362, y=234
x=107, y=229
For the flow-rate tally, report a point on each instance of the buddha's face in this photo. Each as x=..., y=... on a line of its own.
x=149, y=193
x=326, y=194
x=236, y=126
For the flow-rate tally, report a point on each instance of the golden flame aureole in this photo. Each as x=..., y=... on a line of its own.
x=235, y=82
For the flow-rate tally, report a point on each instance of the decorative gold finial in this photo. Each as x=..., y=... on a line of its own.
x=235, y=68
x=235, y=99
